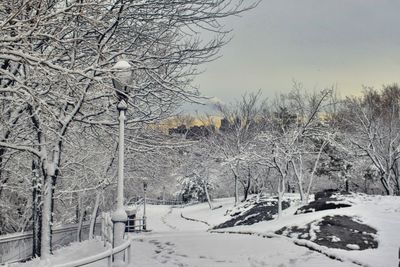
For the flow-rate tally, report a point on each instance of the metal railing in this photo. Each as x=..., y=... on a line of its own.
x=17, y=247
x=132, y=225
x=135, y=225
x=108, y=254
x=151, y=201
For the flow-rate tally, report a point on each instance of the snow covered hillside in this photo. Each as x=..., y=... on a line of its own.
x=381, y=213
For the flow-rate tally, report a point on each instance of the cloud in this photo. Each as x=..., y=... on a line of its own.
x=215, y=100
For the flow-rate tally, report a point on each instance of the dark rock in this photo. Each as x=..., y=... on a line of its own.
x=325, y=200
x=325, y=193
x=337, y=232
x=320, y=205
x=328, y=193
x=262, y=211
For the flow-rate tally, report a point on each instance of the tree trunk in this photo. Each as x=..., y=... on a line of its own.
x=236, y=191
x=234, y=170
x=94, y=215
x=281, y=189
x=303, y=198
x=80, y=222
x=247, y=188
x=46, y=218
x=310, y=183
x=50, y=172
x=1, y=169
x=299, y=176
x=36, y=211
x=248, y=184
x=207, y=195
x=386, y=185
x=279, y=205
x=398, y=185
x=396, y=172
x=53, y=188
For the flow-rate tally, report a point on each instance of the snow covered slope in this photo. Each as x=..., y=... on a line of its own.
x=379, y=212
x=176, y=241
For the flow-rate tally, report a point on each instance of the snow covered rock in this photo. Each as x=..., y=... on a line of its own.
x=339, y=231
x=253, y=210
x=325, y=200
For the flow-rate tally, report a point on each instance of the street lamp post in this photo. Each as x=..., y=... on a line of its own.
x=119, y=217
x=163, y=195
x=144, y=204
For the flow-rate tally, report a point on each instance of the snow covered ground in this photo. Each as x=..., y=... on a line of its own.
x=175, y=241
x=70, y=253
x=380, y=212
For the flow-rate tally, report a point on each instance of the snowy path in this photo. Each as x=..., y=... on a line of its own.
x=175, y=241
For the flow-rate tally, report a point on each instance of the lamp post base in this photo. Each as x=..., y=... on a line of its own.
x=144, y=223
x=119, y=219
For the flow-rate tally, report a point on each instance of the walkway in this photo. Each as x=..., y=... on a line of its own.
x=175, y=241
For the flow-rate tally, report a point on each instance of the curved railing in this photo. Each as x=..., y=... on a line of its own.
x=108, y=254
x=139, y=201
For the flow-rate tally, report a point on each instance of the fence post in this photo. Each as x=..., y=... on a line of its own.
x=102, y=229
x=110, y=260
x=110, y=233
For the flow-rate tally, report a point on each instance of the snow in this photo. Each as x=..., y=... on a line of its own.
x=313, y=229
x=353, y=246
x=119, y=215
x=205, y=249
x=130, y=210
x=335, y=238
x=175, y=241
x=380, y=212
x=122, y=65
x=212, y=217
x=70, y=253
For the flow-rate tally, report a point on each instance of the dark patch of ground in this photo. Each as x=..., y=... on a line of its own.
x=255, y=212
x=325, y=200
x=340, y=232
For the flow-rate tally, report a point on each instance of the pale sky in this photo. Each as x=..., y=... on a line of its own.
x=320, y=43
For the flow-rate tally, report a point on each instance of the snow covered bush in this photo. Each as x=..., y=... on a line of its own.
x=193, y=189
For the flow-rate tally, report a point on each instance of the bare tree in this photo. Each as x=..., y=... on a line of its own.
x=296, y=126
x=56, y=59
x=239, y=128
x=372, y=124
